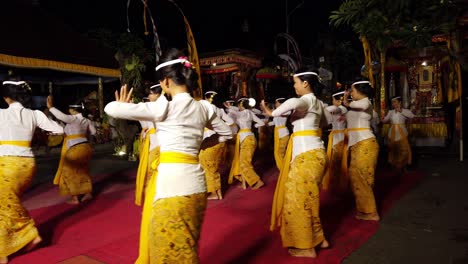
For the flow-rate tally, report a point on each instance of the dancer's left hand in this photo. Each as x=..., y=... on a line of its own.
x=124, y=96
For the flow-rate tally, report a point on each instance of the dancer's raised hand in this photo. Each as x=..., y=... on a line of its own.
x=123, y=96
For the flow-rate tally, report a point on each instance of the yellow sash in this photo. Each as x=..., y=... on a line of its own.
x=19, y=143
x=165, y=157
x=235, y=160
x=404, y=138
x=329, y=155
x=344, y=161
x=62, y=155
x=143, y=165
x=278, y=198
x=278, y=158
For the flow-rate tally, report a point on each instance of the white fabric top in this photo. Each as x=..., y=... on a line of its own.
x=179, y=128
x=232, y=115
x=306, y=114
x=153, y=138
x=359, y=117
x=398, y=118
x=337, y=120
x=18, y=124
x=280, y=121
x=244, y=120
x=75, y=124
x=221, y=114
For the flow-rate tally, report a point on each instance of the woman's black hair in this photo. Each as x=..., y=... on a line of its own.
x=180, y=73
x=244, y=102
x=312, y=79
x=20, y=92
x=78, y=106
x=364, y=88
x=152, y=88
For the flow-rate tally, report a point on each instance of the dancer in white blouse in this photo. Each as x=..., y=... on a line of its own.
x=281, y=134
x=334, y=179
x=363, y=149
x=296, y=202
x=399, y=155
x=149, y=148
x=18, y=166
x=212, y=155
x=73, y=176
x=242, y=168
x=175, y=200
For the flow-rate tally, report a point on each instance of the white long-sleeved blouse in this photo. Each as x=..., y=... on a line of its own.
x=180, y=125
x=18, y=124
x=398, y=118
x=244, y=120
x=306, y=114
x=359, y=118
x=221, y=114
x=75, y=125
x=337, y=120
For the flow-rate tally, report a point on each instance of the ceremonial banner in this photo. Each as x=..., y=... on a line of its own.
x=193, y=57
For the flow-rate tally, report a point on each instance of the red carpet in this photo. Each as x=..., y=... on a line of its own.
x=235, y=229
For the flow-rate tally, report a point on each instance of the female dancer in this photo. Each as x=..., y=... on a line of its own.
x=242, y=168
x=72, y=175
x=334, y=179
x=149, y=150
x=175, y=201
x=212, y=154
x=296, y=201
x=363, y=149
x=281, y=134
x=399, y=155
x=18, y=166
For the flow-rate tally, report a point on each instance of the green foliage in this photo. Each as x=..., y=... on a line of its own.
x=384, y=22
x=131, y=54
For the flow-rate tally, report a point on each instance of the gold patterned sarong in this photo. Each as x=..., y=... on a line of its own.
x=399, y=151
x=175, y=229
x=278, y=198
x=361, y=171
x=244, y=168
x=300, y=221
x=63, y=153
x=210, y=160
x=75, y=178
x=17, y=228
x=187, y=212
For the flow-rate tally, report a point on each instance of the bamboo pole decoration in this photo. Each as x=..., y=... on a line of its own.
x=383, y=104
x=100, y=97
x=368, y=60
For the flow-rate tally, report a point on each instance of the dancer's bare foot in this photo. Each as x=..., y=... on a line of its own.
x=33, y=244
x=220, y=194
x=87, y=197
x=212, y=196
x=3, y=260
x=306, y=253
x=244, y=184
x=324, y=244
x=368, y=217
x=258, y=184
x=73, y=200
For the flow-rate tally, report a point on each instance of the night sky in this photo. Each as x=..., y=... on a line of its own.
x=217, y=25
